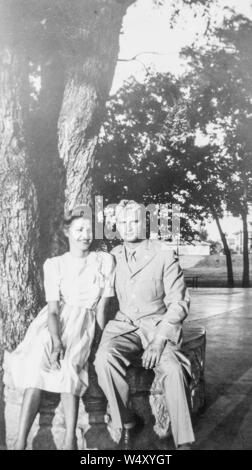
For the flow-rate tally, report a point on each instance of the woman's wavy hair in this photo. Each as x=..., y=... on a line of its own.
x=84, y=211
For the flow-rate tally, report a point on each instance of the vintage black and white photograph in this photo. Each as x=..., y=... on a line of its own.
x=125, y=227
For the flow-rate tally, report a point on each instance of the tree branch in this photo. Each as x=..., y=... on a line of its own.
x=135, y=58
x=143, y=53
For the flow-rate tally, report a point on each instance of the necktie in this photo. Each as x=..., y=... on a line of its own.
x=132, y=259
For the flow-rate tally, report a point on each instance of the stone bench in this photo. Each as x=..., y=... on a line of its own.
x=148, y=399
x=193, y=281
x=48, y=429
x=144, y=391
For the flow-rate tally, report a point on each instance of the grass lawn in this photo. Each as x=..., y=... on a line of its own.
x=212, y=269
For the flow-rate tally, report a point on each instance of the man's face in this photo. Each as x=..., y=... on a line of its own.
x=130, y=224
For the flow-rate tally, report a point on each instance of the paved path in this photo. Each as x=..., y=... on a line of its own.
x=227, y=316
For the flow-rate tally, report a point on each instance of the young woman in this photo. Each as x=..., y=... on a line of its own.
x=54, y=353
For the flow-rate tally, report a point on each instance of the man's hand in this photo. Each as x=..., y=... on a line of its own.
x=57, y=355
x=152, y=353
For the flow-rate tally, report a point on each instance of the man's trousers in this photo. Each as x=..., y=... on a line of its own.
x=113, y=357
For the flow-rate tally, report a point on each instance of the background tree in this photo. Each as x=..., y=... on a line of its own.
x=220, y=93
x=19, y=271
x=209, y=190
x=57, y=64
x=146, y=147
x=153, y=157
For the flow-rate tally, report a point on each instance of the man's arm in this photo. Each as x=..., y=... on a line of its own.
x=176, y=299
x=177, y=303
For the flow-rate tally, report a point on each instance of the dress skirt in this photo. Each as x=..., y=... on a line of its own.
x=29, y=365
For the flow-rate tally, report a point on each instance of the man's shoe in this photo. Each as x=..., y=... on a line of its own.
x=130, y=431
x=185, y=447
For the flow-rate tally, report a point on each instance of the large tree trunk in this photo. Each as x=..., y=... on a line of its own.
x=91, y=45
x=89, y=80
x=20, y=286
x=230, y=277
x=245, y=277
x=93, y=50
x=47, y=168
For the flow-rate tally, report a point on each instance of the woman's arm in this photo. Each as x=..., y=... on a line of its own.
x=108, y=292
x=53, y=326
x=102, y=312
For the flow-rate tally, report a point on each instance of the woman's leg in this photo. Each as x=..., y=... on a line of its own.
x=29, y=409
x=71, y=406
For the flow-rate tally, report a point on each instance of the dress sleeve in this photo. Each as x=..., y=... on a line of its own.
x=108, y=271
x=51, y=280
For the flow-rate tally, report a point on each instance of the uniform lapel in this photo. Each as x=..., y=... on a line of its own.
x=145, y=255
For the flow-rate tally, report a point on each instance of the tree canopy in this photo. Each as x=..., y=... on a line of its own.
x=150, y=150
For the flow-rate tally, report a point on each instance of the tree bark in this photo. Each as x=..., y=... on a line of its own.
x=230, y=277
x=20, y=281
x=46, y=167
x=245, y=276
x=89, y=78
x=27, y=223
x=244, y=215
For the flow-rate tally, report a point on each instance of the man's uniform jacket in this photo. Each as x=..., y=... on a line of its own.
x=153, y=298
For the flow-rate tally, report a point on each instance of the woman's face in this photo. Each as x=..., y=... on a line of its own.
x=80, y=234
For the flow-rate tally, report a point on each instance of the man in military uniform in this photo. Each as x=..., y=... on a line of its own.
x=153, y=302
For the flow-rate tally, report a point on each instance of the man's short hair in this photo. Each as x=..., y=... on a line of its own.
x=126, y=204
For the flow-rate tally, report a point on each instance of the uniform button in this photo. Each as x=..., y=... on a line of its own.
x=132, y=281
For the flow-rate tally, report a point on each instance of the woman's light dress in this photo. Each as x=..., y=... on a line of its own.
x=78, y=284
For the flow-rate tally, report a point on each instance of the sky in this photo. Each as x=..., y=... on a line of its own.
x=147, y=29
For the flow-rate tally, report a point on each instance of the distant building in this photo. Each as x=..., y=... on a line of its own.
x=233, y=229
x=195, y=249
x=235, y=241
x=235, y=238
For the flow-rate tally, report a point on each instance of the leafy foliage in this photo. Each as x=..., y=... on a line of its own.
x=221, y=106
x=148, y=148
x=145, y=147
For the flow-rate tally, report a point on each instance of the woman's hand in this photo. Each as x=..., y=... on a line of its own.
x=57, y=355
